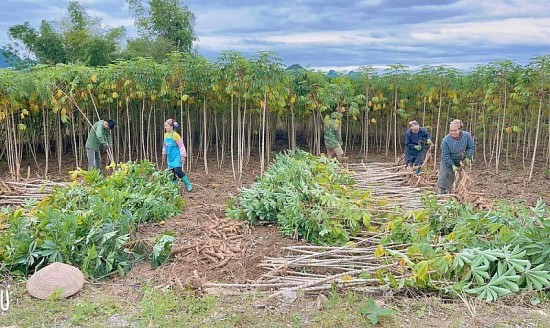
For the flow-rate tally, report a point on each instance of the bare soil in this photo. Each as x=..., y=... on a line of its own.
x=207, y=202
x=206, y=205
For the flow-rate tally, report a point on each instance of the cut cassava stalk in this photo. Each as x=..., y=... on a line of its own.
x=17, y=193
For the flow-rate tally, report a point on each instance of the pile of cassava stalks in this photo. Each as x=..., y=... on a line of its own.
x=17, y=193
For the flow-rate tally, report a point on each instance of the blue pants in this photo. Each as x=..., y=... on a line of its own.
x=414, y=159
x=94, y=159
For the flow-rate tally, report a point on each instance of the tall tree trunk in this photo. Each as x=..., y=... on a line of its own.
x=541, y=97
x=46, y=123
x=501, y=130
x=263, y=142
x=249, y=137
x=232, y=137
x=59, y=143
x=118, y=132
x=395, y=123
x=239, y=134
x=129, y=143
x=367, y=122
x=74, y=140
x=205, y=138
x=155, y=139
x=189, y=139
x=243, y=147
x=224, y=138
x=217, y=138
x=424, y=111
x=292, y=128
x=388, y=132
x=436, y=146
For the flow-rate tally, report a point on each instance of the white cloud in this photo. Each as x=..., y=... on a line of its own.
x=93, y=2
x=327, y=37
x=337, y=36
x=218, y=20
x=509, y=8
x=533, y=31
x=224, y=42
x=370, y=3
x=108, y=20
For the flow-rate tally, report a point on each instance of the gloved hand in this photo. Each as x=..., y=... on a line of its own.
x=429, y=141
x=106, y=147
x=468, y=161
x=183, y=162
x=164, y=158
x=455, y=168
x=418, y=147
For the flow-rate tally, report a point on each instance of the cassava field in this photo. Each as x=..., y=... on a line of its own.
x=273, y=233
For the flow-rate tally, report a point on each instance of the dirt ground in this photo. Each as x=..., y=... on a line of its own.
x=207, y=202
x=206, y=205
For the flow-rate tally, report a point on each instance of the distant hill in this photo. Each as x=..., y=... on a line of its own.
x=294, y=67
x=354, y=75
x=3, y=63
x=14, y=61
x=333, y=73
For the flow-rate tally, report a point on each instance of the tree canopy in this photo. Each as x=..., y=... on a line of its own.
x=164, y=26
x=159, y=20
x=77, y=38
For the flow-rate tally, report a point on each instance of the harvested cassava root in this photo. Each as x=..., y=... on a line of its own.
x=221, y=242
x=463, y=189
x=427, y=178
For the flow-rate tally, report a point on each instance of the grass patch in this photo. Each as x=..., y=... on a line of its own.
x=157, y=307
x=167, y=308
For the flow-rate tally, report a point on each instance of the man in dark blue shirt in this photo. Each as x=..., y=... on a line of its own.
x=416, y=141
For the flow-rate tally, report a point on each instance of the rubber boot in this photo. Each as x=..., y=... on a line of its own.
x=417, y=171
x=187, y=183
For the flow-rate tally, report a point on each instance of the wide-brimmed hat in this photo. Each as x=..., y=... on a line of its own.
x=57, y=278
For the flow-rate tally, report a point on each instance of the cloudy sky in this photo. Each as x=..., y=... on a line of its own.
x=342, y=34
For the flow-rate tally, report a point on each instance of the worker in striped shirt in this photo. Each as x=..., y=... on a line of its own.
x=457, y=148
x=174, y=153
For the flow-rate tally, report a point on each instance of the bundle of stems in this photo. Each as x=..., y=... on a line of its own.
x=17, y=193
x=311, y=268
x=389, y=182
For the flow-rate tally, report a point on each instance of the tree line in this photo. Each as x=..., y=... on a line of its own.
x=235, y=106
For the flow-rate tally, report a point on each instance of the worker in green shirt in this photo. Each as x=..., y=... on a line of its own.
x=100, y=138
x=333, y=134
